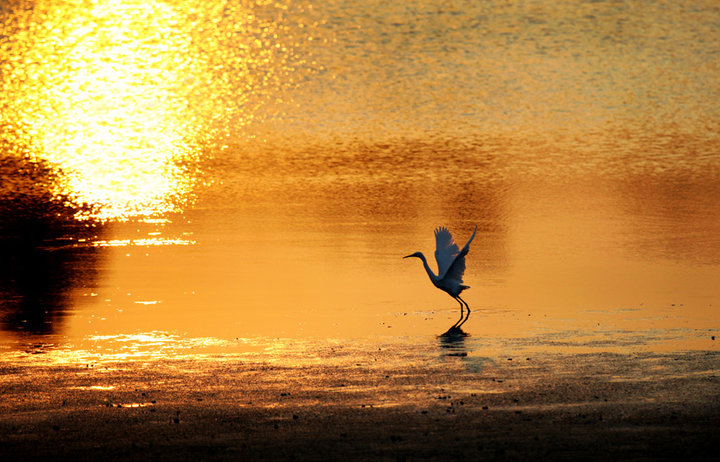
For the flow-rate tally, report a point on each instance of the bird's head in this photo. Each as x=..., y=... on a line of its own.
x=416, y=255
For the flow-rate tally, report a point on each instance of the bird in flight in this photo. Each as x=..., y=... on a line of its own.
x=451, y=265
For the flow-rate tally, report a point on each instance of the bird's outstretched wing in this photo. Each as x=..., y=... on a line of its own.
x=457, y=267
x=445, y=250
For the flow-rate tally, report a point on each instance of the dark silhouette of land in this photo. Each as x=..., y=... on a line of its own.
x=41, y=261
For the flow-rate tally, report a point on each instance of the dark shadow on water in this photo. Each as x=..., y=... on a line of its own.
x=453, y=340
x=42, y=255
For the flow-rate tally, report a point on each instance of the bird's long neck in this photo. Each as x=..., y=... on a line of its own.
x=430, y=273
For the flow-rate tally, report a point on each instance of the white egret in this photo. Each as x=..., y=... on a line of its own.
x=451, y=265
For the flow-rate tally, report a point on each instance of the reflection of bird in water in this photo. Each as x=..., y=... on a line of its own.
x=453, y=341
x=451, y=267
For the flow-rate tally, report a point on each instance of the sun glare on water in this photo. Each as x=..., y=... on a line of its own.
x=104, y=92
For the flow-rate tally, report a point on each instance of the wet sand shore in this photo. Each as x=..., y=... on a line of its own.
x=220, y=409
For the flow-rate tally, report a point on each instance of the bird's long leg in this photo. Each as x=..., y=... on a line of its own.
x=459, y=321
x=467, y=316
x=463, y=320
x=463, y=301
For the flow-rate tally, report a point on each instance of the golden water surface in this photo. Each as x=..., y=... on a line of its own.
x=247, y=174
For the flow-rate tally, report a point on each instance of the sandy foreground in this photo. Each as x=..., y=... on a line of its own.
x=375, y=407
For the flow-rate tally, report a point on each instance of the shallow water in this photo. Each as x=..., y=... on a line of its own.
x=254, y=173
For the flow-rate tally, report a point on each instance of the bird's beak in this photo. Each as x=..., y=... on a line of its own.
x=408, y=256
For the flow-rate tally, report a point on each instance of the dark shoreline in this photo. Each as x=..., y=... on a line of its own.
x=235, y=410
x=338, y=432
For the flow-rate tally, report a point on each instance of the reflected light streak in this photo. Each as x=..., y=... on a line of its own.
x=94, y=387
x=142, y=242
x=148, y=346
